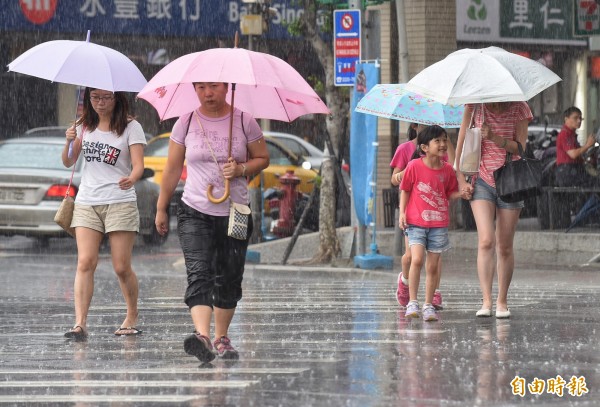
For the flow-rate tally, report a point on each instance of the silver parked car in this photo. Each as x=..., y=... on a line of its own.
x=33, y=182
x=300, y=147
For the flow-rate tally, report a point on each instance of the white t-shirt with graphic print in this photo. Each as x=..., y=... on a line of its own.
x=106, y=160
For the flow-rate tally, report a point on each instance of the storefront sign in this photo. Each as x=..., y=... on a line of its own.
x=147, y=17
x=516, y=21
x=587, y=17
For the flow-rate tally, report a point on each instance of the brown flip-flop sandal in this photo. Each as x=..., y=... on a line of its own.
x=77, y=333
x=134, y=331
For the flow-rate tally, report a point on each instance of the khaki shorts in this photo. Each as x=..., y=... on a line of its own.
x=107, y=218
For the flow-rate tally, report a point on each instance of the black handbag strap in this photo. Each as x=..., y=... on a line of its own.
x=521, y=153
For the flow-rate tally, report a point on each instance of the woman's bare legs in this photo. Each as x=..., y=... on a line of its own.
x=223, y=319
x=484, y=212
x=121, y=249
x=506, y=226
x=201, y=317
x=88, y=247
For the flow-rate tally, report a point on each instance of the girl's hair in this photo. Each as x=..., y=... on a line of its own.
x=412, y=132
x=120, y=115
x=425, y=136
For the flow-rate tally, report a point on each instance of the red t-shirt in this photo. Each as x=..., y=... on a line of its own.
x=403, y=155
x=429, y=192
x=567, y=140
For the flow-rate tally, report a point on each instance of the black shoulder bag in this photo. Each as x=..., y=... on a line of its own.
x=518, y=179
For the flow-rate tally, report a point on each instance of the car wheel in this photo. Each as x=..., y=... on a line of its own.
x=154, y=238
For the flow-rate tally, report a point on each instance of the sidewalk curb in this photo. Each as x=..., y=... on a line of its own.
x=539, y=247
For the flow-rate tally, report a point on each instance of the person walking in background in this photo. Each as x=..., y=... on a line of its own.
x=504, y=126
x=214, y=261
x=428, y=184
x=570, y=169
x=402, y=156
x=112, y=144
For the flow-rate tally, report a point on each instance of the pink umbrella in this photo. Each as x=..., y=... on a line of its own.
x=263, y=85
x=267, y=87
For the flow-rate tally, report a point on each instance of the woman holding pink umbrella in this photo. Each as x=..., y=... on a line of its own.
x=214, y=260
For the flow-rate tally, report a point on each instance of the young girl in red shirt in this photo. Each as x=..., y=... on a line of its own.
x=428, y=184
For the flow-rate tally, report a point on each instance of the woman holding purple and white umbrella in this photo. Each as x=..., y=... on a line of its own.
x=112, y=144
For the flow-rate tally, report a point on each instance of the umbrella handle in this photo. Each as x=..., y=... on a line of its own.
x=218, y=200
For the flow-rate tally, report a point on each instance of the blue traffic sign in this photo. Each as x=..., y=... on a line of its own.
x=346, y=45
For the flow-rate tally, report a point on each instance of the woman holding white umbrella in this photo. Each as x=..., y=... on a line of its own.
x=214, y=260
x=502, y=126
x=112, y=144
x=496, y=83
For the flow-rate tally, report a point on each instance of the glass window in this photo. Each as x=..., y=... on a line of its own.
x=158, y=148
x=29, y=155
x=277, y=156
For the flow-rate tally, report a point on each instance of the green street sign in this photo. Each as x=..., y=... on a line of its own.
x=536, y=19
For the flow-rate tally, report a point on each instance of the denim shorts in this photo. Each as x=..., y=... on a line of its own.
x=434, y=240
x=486, y=192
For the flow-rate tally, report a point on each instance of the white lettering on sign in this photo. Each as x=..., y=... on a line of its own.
x=284, y=13
x=158, y=9
x=195, y=16
x=37, y=5
x=126, y=9
x=547, y=12
x=91, y=8
x=521, y=10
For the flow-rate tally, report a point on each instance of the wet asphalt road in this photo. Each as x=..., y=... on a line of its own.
x=306, y=337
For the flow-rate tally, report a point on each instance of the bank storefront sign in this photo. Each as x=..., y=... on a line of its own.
x=516, y=21
x=211, y=18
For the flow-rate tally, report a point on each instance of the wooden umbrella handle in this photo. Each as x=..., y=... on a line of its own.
x=210, y=187
x=221, y=199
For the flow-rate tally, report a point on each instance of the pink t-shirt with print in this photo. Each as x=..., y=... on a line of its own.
x=429, y=192
x=201, y=167
x=403, y=155
x=503, y=125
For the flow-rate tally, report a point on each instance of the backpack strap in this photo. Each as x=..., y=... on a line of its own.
x=187, y=129
x=243, y=129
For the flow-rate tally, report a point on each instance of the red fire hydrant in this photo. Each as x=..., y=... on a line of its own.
x=287, y=204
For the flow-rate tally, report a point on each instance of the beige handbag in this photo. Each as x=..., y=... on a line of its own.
x=64, y=215
x=470, y=157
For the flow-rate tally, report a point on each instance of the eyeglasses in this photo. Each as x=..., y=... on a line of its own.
x=107, y=98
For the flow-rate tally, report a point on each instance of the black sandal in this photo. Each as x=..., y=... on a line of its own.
x=128, y=331
x=77, y=333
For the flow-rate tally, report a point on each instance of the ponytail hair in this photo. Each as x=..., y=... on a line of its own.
x=425, y=136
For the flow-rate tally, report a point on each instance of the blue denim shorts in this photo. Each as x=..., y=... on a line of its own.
x=486, y=192
x=434, y=240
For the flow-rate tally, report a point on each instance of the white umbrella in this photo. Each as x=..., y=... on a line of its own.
x=482, y=76
x=80, y=63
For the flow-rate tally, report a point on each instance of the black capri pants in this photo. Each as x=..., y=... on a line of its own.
x=214, y=261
